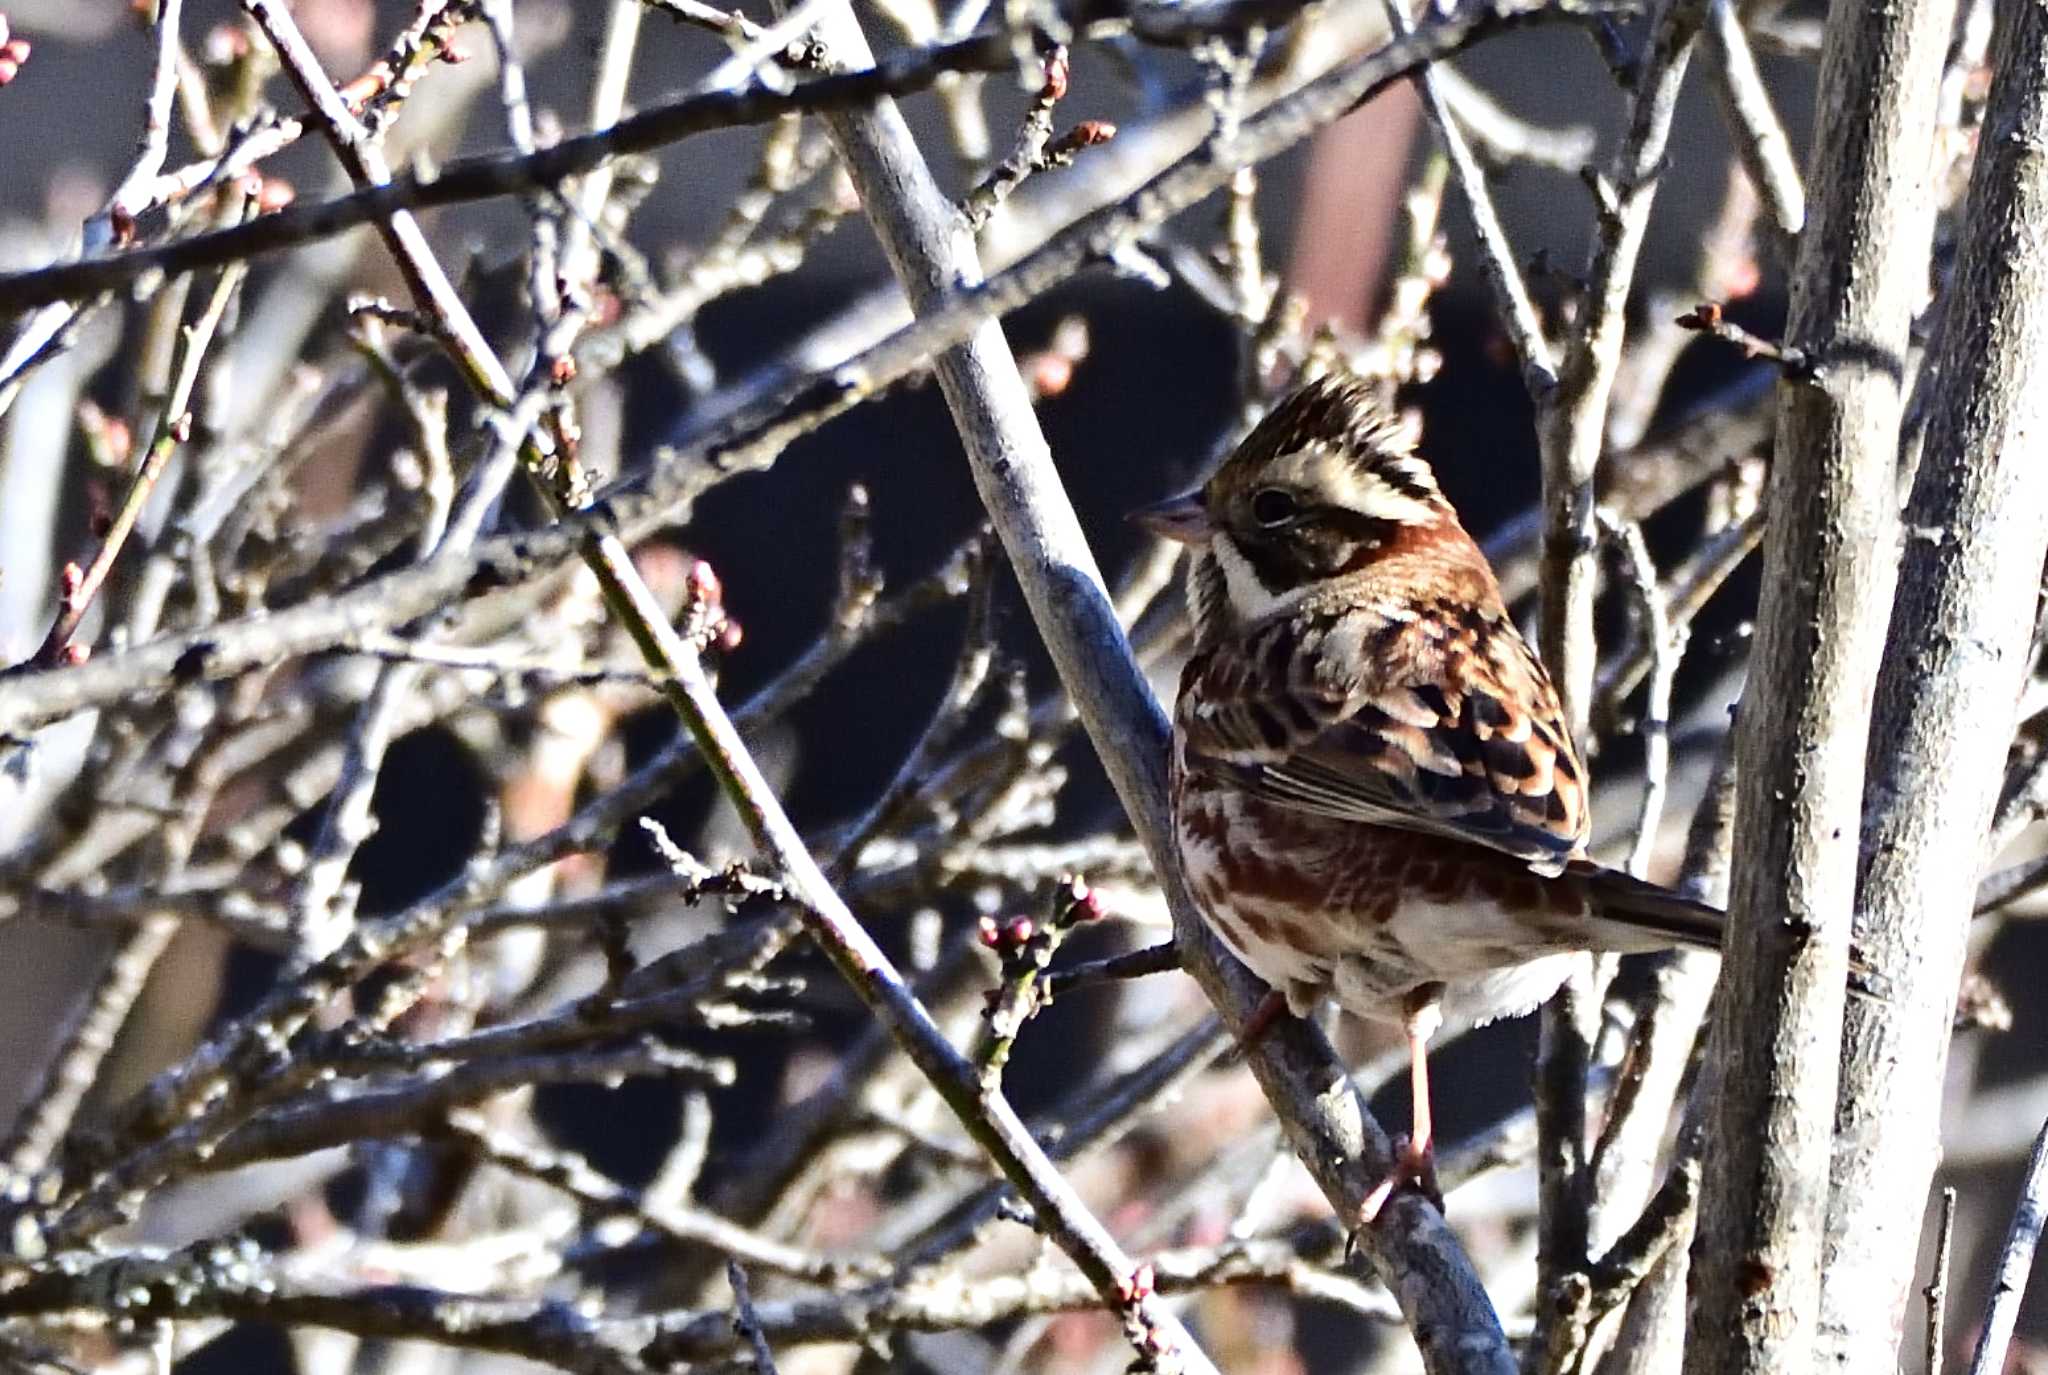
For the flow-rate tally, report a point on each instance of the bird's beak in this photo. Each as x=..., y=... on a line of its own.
x=1181, y=518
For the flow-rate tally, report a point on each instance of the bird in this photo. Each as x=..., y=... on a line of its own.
x=1375, y=794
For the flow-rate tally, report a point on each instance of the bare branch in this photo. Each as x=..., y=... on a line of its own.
x=1572, y=431
x=2015, y=1263
x=1935, y=1346
x=1752, y=121
x=1955, y=660
x=752, y=437
x=1806, y=711
x=1496, y=254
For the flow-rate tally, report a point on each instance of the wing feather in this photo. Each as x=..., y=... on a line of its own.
x=1448, y=727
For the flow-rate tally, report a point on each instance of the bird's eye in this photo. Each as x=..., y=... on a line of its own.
x=1273, y=506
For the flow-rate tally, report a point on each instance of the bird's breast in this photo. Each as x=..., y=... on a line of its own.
x=1364, y=912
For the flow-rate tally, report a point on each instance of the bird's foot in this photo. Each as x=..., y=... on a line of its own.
x=1414, y=1167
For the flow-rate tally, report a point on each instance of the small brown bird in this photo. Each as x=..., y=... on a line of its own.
x=1375, y=793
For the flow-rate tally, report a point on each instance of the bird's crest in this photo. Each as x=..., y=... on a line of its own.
x=1334, y=435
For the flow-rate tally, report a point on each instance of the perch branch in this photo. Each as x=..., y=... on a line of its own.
x=1012, y=466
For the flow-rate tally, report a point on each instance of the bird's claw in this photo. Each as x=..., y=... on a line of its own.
x=1414, y=1167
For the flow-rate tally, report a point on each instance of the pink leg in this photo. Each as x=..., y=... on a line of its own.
x=1416, y=1161
x=1271, y=1009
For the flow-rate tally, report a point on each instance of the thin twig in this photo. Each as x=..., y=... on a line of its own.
x=745, y=62
x=1709, y=319
x=134, y=194
x=1666, y=642
x=1136, y=964
x=1496, y=255
x=1036, y=149
x=1746, y=108
x=1935, y=1344
x=2015, y=1263
x=746, y=1321
x=174, y=427
x=668, y=1218
x=607, y=103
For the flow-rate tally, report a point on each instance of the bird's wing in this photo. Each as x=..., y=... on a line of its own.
x=1437, y=720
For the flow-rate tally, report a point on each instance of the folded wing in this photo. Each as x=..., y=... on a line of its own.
x=1436, y=721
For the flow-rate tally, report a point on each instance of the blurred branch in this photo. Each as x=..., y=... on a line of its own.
x=298, y=1129
x=1746, y=108
x=242, y=1286
x=53, y=1107
x=1503, y=139
x=174, y=427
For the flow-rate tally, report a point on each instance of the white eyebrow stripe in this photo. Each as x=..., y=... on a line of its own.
x=1381, y=501
x=1325, y=469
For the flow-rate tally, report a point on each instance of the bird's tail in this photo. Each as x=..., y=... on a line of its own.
x=1638, y=916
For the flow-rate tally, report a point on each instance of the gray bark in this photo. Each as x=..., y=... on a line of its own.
x=1859, y=274
x=1976, y=535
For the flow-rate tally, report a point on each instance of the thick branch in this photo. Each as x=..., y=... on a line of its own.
x=1805, y=715
x=1955, y=662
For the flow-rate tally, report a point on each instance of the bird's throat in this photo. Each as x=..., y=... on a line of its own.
x=1251, y=593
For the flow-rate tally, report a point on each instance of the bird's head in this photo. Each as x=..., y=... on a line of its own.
x=1325, y=486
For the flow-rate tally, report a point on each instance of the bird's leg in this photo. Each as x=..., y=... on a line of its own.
x=1415, y=1157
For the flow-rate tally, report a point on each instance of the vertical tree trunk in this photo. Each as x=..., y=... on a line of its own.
x=1860, y=273
x=1976, y=534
